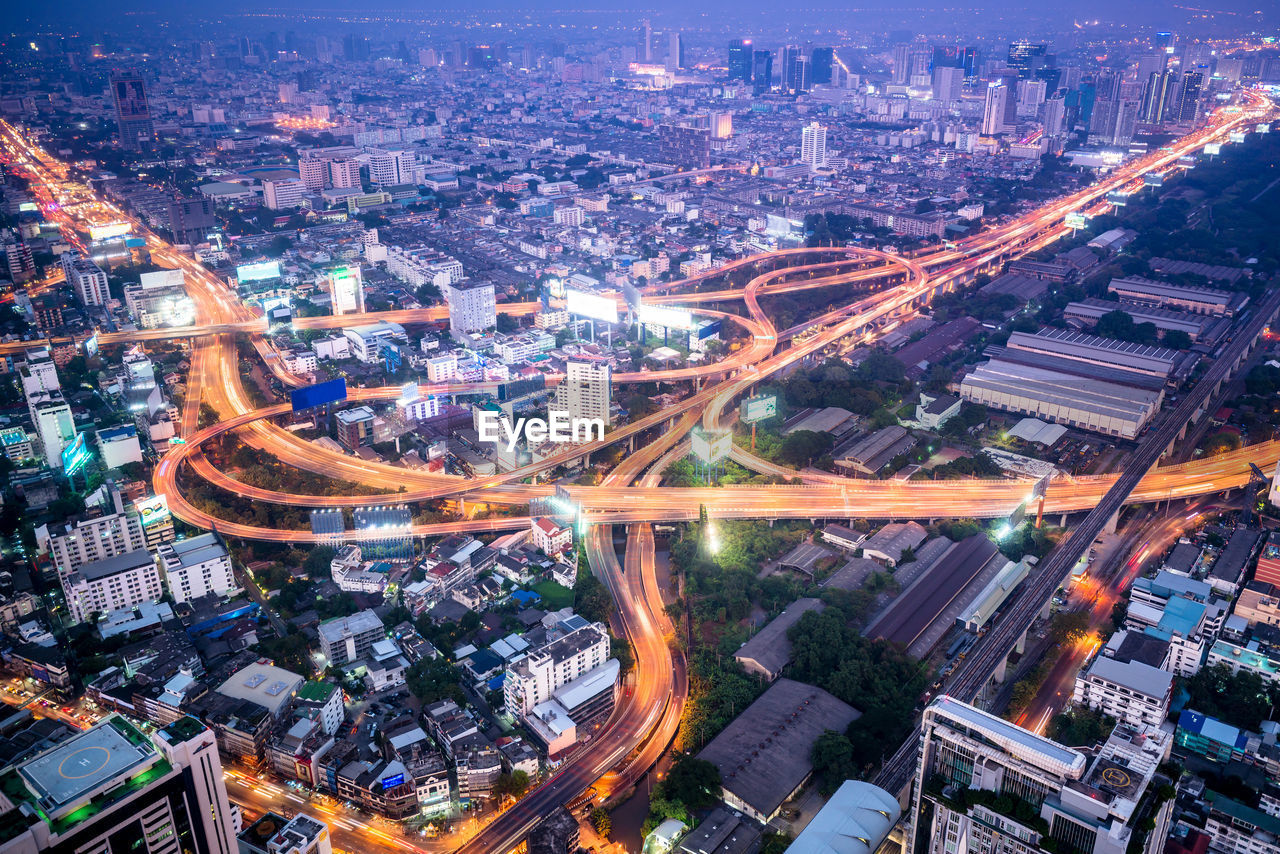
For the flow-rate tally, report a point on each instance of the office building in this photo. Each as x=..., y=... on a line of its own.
x=112, y=583
x=813, y=146
x=113, y=789
x=388, y=167
x=984, y=784
x=20, y=262
x=822, y=60
x=196, y=567
x=191, y=221
x=721, y=125
x=1132, y=692
x=1054, y=116
x=586, y=391
x=472, y=307
x=739, y=60
x=994, y=108
x=901, y=66
x=1189, y=98
x=133, y=114
x=1026, y=57
x=675, y=52
x=346, y=290
x=354, y=427
x=761, y=71
x=82, y=541
x=684, y=145
x=55, y=427
x=346, y=640
x=285, y=194
x=534, y=679
x=87, y=279
x=948, y=84
x=1158, y=96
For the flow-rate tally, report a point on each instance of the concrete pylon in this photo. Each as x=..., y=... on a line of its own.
x=998, y=674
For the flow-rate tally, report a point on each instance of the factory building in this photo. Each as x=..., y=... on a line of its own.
x=1197, y=300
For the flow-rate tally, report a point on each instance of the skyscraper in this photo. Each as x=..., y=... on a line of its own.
x=787, y=57
x=970, y=63
x=128, y=793
x=1157, y=97
x=740, y=60
x=1055, y=114
x=994, y=108
x=472, y=307
x=761, y=71
x=813, y=145
x=948, y=83
x=901, y=64
x=586, y=391
x=821, y=61
x=1189, y=100
x=984, y=784
x=645, y=53
x=1026, y=57
x=133, y=114
x=675, y=51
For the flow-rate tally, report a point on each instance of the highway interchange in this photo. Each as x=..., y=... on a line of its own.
x=885, y=286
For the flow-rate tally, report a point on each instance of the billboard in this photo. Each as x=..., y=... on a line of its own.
x=1237, y=136
x=661, y=315
x=75, y=456
x=108, y=230
x=711, y=447
x=1213, y=148
x=153, y=510
x=91, y=345
x=594, y=306
x=309, y=397
x=258, y=272
x=1263, y=128
x=392, y=781
x=162, y=279
x=755, y=409
x=28, y=207
x=1153, y=179
x=710, y=330
x=1076, y=220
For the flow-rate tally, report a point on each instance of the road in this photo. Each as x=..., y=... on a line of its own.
x=896, y=285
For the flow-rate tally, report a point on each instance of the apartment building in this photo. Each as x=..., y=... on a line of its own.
x=534, y=679
x=82, y=541
x=196, y=567
x=586, y=392
x=1130, y=691
x=112, y=583
x=346, y=640
x=472, y=307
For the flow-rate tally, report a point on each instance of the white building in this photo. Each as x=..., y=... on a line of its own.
x=367, y=341
x=119, y=446
x=813, y=146
x=111, y=584
x=443, y=369
x=550, y=538
x=415, y=406
x=38, y=373
x=586, y=391
x=87, y=278
x=534, y=679
x=1132, y=692
x=283, y=195
x=196, y=567
x=993, y=109
x=333, y=347
x=472, y=307
x=418, y=267
x=55, y=427
x=345, y=640
x=346, y=290
x=390, y=166
x=570, y=215
x=89, y=540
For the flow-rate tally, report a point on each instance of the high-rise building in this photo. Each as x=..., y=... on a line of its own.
x=721, y=125
x=534, y=679
x=822, y=59
x=762, y=71
x=1157, y=97
x=355, y=48
x=191, y=220
x=1189, y=98
x=73, y=545
x=345, y=640
x=675, y=51
x=586, y=391
x=20, y=261
x=113, y=789
x=901, y=64
x=390, y=166
x=970, y=62
x=1055, y=114
x=111, y=584
x=87, y=279
x=54, y=425
x=740, y=60
x=282, y=195
x=1030, y=96
x=1113, y=121
x=195, y=567
x=948, y=84
x=1026, y=57
x=993, y=110
x=346, y=290
x=472, y=307
x=984, y=784
x=683, y=144
x=813, y=146
x=133, y=113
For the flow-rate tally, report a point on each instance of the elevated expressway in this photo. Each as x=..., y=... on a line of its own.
x=640, y=723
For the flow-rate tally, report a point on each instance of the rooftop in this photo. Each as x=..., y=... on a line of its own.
x=267, y=685
x=358, y=623
x=856, y=820
x=1022, y=743
x=769, y=648
x=66, y=777
x=94, y=570
x=1134, y=675
x=775, y=734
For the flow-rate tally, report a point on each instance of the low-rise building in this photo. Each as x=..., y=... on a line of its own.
x=1129, y=691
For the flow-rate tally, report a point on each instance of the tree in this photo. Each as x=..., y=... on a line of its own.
x=1177, y=339
x=693, y=782
x=507, y=324
x=591, y=598
x=832, y=757
x=432, y=680
x=601, y=821
x=1069, y=626
x=514, y=784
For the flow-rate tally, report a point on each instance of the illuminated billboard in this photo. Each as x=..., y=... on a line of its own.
x=153, y=510
x=1237, y=136
x=162, y=279
x=309, y=397
x=28, y=207
x=1213, y=148
x=258, y=272
x=594, y=306
x=1076, y=220
x=108, y=230
x=661, y=315
x=711, y=447
x=75, y=456
x=755, y=409
x=1263, y=128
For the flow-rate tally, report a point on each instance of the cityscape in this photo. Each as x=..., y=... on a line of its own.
x=542, y=429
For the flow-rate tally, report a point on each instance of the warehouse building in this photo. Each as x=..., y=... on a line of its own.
x=983, y=607
x=769, y=650
x=1074, y=346
x=1198, y=300
x=1090, y=311
x=1058, y=396
x=759, y=773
